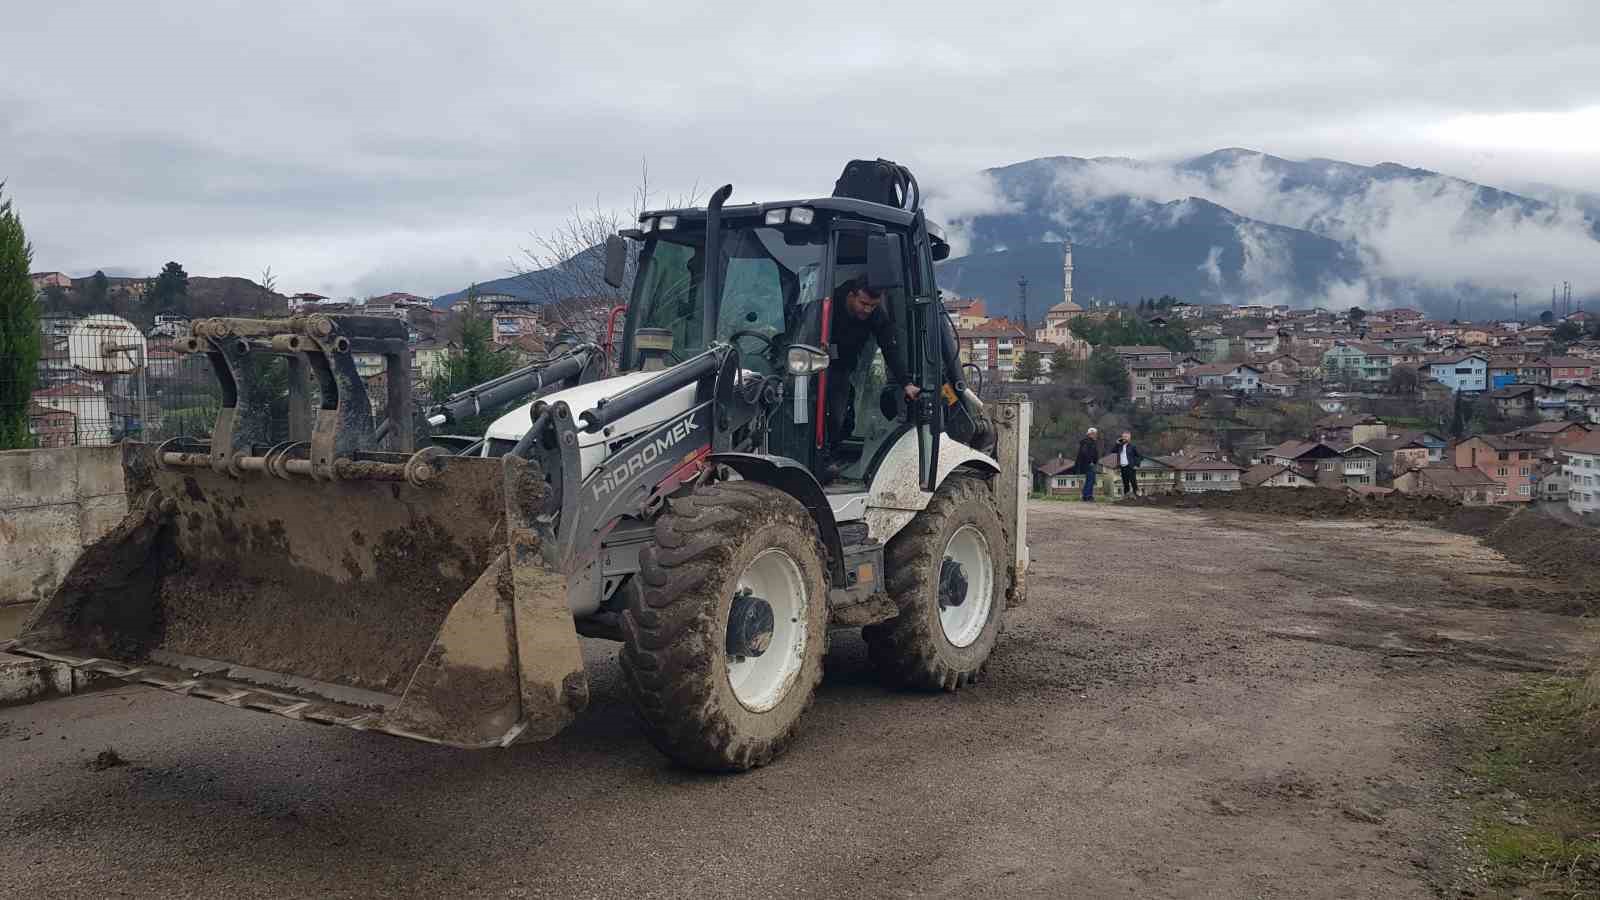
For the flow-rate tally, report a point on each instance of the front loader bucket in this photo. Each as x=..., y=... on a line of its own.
x=405, y=596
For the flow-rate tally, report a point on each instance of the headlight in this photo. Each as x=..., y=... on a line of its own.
x=668, y=223
x=647, y=225
x=802, y=215
x=776, y=216
x=806, y=360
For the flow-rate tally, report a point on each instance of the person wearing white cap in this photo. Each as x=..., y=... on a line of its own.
x=1088, y=459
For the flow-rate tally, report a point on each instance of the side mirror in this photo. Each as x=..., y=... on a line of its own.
x=616, y=260
x=885, y=263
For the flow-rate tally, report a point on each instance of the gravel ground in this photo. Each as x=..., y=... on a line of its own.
x=1191, y=705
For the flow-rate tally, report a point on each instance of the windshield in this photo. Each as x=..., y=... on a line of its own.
x=769, y=274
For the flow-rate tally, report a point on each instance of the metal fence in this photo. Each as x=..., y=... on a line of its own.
x=100, y=380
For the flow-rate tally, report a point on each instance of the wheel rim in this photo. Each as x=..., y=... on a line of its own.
x=761, y=681
x=964, y=613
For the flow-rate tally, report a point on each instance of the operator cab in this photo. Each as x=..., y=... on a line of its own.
x=784, y=268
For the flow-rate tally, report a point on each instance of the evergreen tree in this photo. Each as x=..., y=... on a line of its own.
x=1107, y=369
x=1567, y=332
x=1029, y=368
x=477, y=362
x=1061, y=364
x=97, y=295
x=19, y=330
x=169, y=295
x=1458, y=421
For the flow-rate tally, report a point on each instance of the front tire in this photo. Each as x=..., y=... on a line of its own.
x=945, y=575
x=724, y=640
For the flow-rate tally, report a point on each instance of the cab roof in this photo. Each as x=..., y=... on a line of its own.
x=864, y=209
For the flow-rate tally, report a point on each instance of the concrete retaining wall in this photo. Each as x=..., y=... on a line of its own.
x=52, y=504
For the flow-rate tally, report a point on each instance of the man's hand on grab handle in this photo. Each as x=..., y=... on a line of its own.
x=913, y=392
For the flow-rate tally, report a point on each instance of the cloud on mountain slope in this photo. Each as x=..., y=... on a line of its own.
x=1414, y=232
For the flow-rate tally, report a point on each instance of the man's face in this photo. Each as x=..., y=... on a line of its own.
x=862, y=303
x=1127, y=438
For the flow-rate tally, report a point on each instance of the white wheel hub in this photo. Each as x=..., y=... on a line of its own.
x=761, y=680
x=965, y=586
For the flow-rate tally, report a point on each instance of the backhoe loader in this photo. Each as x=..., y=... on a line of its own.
x=697, y=493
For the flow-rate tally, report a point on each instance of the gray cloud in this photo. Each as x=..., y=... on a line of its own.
x=412, y=146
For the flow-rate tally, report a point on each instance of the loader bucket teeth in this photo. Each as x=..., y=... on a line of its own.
x=376, y=601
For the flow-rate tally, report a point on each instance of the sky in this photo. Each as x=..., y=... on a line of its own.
x=359, y=148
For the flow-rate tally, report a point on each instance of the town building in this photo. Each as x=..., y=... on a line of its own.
x=1506, y=459
x=51, y=427
x=1570, y=369
x=1359, y=465
x=1143, y=377
x=1132, y=355
x=995, y=346
x=968, y=312
x=1468, y=486
x=509, y=327
x=1274, y=475
x=1358, y=361
x=1582, y=468
x=1201, y=475
x=1232, y=377
x=1435, y=444
x=87, y=405
x=1351, y=428
x=42, y=280
x=1461, y=374
x=1279, y=385
x=1261, y=342
x=1317, y=461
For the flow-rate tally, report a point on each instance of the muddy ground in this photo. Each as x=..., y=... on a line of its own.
x=1192, y=705
x=1561, y=551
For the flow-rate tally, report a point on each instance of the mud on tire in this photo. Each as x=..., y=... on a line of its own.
x=675, y=626
x=912, y=650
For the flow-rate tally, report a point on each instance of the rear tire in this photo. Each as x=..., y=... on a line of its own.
x=702, y=706
x=932, y=645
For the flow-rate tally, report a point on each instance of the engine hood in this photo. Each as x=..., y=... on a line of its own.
x=514, y=424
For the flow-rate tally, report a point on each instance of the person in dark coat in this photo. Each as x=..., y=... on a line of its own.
x=859, y=320
x=1087, y=461
x=1128, y=464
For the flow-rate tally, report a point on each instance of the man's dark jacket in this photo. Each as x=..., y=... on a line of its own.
x=1133, y=454
x=1088, y=456
x=849, y=334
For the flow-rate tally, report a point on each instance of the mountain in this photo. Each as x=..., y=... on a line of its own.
x=1242, y=226
x=536, y=287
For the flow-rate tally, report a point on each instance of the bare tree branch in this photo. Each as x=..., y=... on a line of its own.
x=564, y=267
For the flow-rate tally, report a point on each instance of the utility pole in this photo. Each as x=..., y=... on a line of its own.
x=1022, y=292
x=1514, y=313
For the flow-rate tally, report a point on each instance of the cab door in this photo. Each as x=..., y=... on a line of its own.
x=927, y=360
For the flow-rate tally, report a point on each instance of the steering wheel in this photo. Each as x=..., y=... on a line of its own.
x=745, y=332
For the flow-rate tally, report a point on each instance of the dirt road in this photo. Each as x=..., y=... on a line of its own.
x=1190, y=706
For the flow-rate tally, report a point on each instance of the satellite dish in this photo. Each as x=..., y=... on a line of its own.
x=107, y=344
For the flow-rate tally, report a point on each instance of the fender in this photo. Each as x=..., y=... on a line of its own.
x=796, y=480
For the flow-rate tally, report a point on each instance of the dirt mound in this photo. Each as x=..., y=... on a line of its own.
x=1308, y=502
x=1542, y=544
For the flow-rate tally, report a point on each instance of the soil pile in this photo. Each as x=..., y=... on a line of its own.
x=1309, y=502
x=1565, y=553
